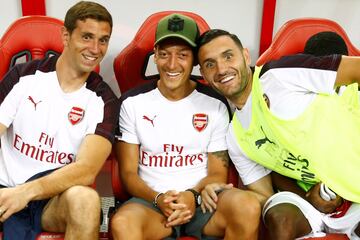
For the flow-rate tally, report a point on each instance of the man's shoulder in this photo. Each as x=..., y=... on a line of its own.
x=29, y=68
x=211, y=93
x=141, y=89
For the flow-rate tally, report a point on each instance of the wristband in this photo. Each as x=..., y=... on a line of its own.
x=155, y=204
x=197, y=197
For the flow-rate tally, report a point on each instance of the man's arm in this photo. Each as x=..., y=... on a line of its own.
x=128, y=158
x=262, y=188
x=348, y=71
x=92, y=153
x=282, y=183
x=218, y=163
x=2, y=129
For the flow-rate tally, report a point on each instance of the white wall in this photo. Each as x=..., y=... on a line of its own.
x=242, y=17
x=344, y=12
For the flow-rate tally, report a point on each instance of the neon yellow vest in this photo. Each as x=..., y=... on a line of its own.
x=322, y=144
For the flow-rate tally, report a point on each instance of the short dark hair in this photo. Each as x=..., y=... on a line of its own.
x=214, y=33
x=325, y=43
x=83, y=10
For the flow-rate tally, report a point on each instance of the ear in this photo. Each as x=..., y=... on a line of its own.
x=155, y=54
x=246, y=55
x=65, y=35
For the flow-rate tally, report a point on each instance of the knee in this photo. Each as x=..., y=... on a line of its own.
x=121, y=223
x=280, y=224
x=248, y=206
x=82, y=202
x=245, y=208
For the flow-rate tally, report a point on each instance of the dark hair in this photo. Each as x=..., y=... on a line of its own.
x=83, y=10
x=325, y=43
x=211, y=34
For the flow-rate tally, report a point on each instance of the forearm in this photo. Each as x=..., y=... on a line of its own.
x=211, y=178
x=136, y=187
x=58, y=181
x=90, y=158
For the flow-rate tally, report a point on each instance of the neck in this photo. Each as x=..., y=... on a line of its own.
x=178, y=93
x=69, y=79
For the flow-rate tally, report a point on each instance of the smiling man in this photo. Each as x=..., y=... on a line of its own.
x=172, y=152
x=57, y=121
x=290, y=120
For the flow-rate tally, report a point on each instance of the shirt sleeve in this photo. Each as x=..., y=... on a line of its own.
x=127, y=123
x=11, y=102
x=218, y=136
x=249, y=171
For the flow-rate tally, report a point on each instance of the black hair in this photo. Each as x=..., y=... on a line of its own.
x=325, y=43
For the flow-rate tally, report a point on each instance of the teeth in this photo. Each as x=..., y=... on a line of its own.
x=228, y=78
x=172, y=74
x=90, y=58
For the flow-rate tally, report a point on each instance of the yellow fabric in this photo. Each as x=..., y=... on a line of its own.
x=322, y=144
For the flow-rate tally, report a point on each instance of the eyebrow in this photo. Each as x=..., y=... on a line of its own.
x=222, y=53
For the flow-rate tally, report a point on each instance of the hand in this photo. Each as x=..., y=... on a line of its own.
x=167, y=202
x=313, y=196
x=184, y=214
x=12, y=200
x=209, y=195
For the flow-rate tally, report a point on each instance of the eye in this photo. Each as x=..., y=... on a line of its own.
x=162, y=54
x=104, y=41
x=86, y=37
x=228, y=56
x=209, y=65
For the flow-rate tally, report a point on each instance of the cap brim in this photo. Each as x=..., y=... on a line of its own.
x=191, y=43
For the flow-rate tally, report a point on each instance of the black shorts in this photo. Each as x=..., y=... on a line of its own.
x=192, y=228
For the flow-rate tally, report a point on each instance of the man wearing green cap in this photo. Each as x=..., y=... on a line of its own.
x=172, y=152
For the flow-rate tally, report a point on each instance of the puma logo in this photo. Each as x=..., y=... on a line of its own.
x=150, y=120
x=35, y=103
x=262, y=141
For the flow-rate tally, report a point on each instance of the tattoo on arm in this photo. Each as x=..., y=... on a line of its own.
x=223, y=156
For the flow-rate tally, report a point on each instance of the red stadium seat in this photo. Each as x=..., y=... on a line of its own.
x=33, y=36
x=291, y=39
x=30, y=37
x=292, y=36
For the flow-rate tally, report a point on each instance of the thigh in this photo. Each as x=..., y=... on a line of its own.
x=144, y=216
x=76, y=204
x=233, y=203
x=290, y=209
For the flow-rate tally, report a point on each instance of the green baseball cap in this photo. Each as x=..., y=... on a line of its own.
x=178, y=26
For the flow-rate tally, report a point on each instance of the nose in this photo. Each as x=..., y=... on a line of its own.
x=221, y=67
x=94, y=47
x=172, y=62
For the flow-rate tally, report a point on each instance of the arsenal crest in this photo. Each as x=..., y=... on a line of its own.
x=75, y=115
x=200, y=121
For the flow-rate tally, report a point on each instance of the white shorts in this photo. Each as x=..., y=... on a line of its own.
x=320, y=223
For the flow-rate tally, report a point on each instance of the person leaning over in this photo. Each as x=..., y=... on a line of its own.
x=172, y=152
x=57, y=121
x=290, y=120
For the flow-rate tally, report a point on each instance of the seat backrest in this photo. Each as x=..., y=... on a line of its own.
x=32, y=37
x=292, y=36
x=131, y=63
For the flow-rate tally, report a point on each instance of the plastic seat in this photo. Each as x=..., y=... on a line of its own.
x=32, y=37
x=292, y=36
